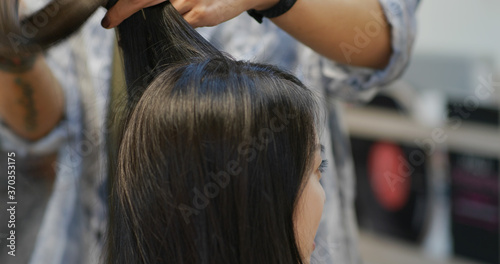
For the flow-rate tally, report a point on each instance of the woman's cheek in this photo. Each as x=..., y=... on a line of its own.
x=315, y=205
x=320, y=201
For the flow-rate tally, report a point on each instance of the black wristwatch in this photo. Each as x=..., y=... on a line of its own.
x=277, y=10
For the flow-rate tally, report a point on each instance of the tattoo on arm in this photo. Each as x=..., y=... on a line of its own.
x=17, y=64
x=28, y=102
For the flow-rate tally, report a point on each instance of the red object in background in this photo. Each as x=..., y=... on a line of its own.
x=389, y=175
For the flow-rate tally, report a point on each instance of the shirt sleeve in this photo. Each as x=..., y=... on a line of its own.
x=360, y=84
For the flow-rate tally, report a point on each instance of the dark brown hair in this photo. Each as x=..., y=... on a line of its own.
x=213, y=152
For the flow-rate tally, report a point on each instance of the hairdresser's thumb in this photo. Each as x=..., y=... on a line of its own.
x=105, y=22
x=119, y=12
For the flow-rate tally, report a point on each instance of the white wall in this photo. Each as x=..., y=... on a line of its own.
x=461, y=27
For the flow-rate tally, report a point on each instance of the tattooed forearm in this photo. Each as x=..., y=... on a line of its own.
x=28, y=102
x=17, y=64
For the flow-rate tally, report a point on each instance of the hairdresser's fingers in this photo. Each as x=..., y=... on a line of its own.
x=197, y=17
x=153, y=3
x=182, y=6
x=124, y=9
x=211, y=15
x=203, y=16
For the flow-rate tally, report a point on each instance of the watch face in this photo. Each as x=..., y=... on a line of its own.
x=391, y=188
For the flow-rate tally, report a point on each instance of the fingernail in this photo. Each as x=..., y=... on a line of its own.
x=105, y=22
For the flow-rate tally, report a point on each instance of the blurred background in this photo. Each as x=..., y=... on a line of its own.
x=427, y=149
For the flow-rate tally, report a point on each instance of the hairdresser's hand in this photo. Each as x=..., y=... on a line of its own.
x=198, y=13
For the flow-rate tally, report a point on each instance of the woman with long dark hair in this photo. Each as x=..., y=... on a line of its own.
x=220, y=159
x=217, y=160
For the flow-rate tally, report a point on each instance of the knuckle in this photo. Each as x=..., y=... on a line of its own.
x=200, y=13
x=198, y=16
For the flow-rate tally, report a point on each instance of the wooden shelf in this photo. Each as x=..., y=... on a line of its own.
x=371, y=122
